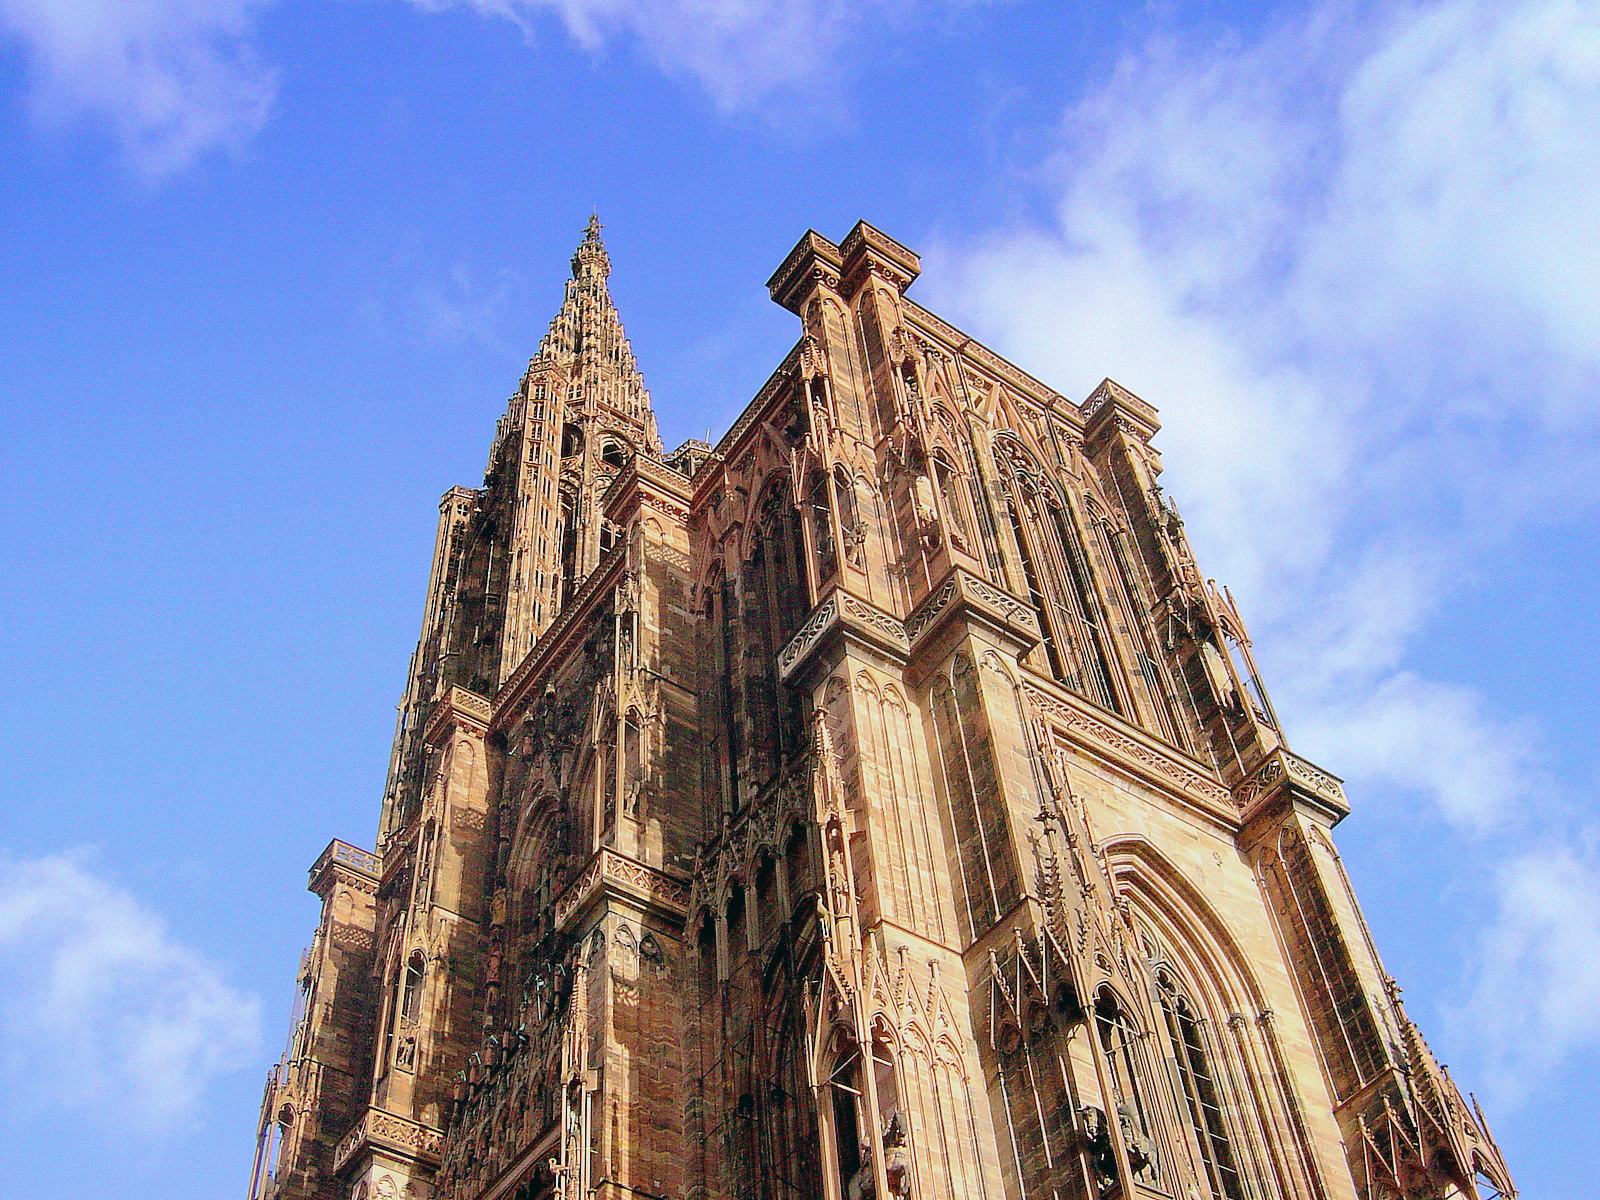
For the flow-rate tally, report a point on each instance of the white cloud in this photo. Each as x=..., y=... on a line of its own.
x=101, y=1011
x=739, y=50
x=171, y=80
x=466, y=308
x=1352, y=263
x=1540, y=982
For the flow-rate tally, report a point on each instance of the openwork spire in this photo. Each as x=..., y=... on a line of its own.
x=586, y=342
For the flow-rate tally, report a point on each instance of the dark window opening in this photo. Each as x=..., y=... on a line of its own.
x=411, y=995
x=569, y=545
x=571, y=440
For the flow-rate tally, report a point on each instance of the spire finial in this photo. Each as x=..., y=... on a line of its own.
x=591, y=258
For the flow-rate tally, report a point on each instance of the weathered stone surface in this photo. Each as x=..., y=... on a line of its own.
x=877, y=803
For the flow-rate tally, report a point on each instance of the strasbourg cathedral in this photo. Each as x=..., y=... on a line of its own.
x=878, y=803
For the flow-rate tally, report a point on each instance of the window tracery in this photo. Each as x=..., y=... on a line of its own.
x=1059, y=578
x=1201, y=1093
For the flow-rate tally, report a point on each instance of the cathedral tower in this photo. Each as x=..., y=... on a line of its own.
x=879, y=803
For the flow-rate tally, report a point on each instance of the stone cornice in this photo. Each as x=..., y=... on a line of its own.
x=457, y=708
x=963, y=592
x=611, y=872
x=813, y=259
x=648, y=482
x=1112, y=406
x=1131, y=750
x=1286, y=778
x=868, y=250
x=841, y=615
x=342, y=861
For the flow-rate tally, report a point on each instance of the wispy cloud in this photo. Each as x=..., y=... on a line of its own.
x=739, y=50
x=467, y=307
x=102, y=1012
x=1541, y=980
x=1352, y=263
x=175, y=80
x=171, y=80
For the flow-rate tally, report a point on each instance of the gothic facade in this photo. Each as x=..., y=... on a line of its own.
x=879, y=803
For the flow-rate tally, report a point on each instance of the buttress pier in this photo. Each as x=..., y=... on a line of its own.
x=878, y=803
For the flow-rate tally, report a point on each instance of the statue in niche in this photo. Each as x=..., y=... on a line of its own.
x=897, y=1156
x=1097, y=1144
x=863, y=1184
x=1141, y=1154
x=929, y=527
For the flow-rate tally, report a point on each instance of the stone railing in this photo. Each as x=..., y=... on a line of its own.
x=392, y=1132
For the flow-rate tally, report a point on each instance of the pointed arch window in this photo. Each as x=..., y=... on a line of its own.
x=1084, y=606
x=632, y=750
x=844, y=498
x=776, y=601
x=571, y=440
x=569, y=545
x=797, y=865
x=1119, y=1043
x=411, y=991
x=720, y=688
x=1201, y=1094
x=952, y=500
x=1030, y=578
x=821, y=514
x=1059, y=579
x=844, y=1090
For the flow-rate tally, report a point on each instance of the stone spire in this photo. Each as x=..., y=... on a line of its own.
x=582, y=411
x=586, y=343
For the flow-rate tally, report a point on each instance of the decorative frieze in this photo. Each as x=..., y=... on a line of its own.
x=1285, y=767
x=1164, y=766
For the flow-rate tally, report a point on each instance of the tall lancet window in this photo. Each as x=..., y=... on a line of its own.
x=844, y=497
x=852, y=1166
x=777, y=600
x=952, y=501
x=411, y=994
x=569, y=545
x=759, y=666
x=1059, y=579
x=1030, y=578
x=1084, y=605
x=720, y=691
x=1187, y=1044
x=1120, y=1043
x=821, y=513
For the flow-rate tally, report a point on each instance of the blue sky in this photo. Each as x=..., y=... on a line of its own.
x=271, y=267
